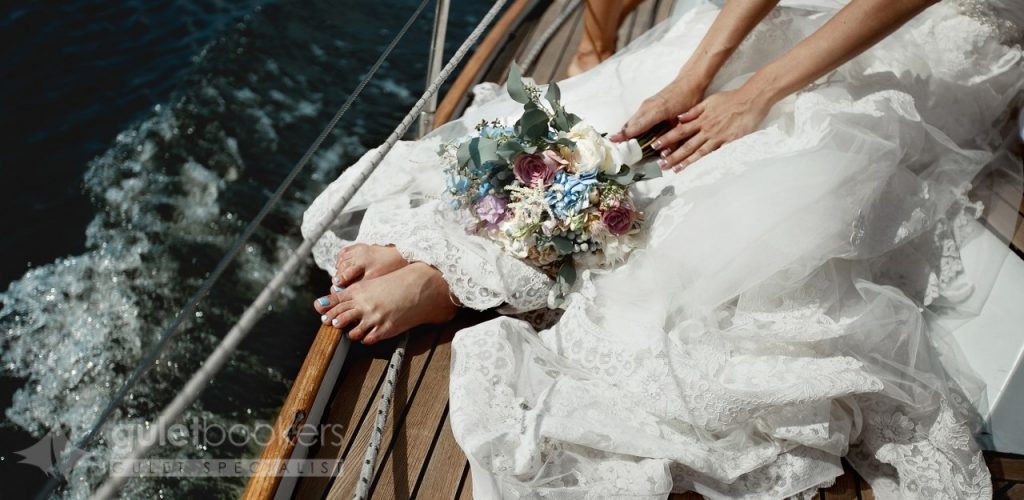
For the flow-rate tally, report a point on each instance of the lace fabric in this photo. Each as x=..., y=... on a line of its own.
x=775, y=320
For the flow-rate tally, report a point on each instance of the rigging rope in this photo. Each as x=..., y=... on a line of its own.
x=387, y=393
x=252, y=314
x=171, y=330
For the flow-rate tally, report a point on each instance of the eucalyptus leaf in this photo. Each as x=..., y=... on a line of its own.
x=516, y=87
x=567, y=273
x=462, y=155
x=483, y=150
x=535, y=123
x=563, y=245
x=554, y=95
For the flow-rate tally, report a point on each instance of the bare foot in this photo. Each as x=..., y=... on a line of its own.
x=380, y=308
x=362, y=261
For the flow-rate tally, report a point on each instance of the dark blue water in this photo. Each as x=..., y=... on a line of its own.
x=140, y=137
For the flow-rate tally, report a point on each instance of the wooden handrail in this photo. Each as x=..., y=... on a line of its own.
x=294, y=413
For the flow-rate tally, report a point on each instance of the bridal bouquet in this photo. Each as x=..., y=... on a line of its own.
x=548, y=188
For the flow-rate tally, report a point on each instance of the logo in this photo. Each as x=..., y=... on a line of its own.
x=54, y=454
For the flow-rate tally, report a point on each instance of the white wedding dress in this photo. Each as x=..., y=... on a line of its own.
x=779, y=316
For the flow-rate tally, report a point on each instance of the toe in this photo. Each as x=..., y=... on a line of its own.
x=325, y=303
x=350, y=274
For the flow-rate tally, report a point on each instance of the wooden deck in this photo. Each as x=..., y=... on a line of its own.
x=419, y=457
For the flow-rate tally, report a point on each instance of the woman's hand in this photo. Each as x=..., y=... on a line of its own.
x=679, y=96
x=721, y=118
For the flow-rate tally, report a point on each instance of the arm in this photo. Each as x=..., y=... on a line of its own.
x=732, y=25
x=727, y=116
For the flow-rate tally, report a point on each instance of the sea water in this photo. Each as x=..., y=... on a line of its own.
x=141, y=137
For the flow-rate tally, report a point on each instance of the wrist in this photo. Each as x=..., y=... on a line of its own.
x=768, y=85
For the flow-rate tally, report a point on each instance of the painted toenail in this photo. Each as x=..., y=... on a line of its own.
x=336, y=322
x=324, y=301
x=323, y=319
x=337, y=288
x=336, y=280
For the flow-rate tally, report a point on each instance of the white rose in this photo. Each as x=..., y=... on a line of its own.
x=593, y=152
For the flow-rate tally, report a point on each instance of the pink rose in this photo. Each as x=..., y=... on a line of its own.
x=618, y=219
x=554, y=160
x=532, y=169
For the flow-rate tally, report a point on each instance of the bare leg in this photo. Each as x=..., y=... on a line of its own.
x=380, y=308
x=601, y=22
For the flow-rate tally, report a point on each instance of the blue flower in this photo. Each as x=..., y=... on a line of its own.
x=570, y=194
x=458, y=184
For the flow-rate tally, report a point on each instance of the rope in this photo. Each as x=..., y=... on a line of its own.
x=370, y=457
x=545, y=37
x=255, y=311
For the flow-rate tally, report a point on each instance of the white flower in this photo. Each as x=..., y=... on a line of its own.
x=594, y=152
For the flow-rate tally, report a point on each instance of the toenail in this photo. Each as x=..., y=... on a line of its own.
x=336, y=280
x=324, y=301
x=337, y=288
x=335, y=322
x=323, y=319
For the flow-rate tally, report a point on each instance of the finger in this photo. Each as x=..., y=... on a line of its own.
x=675, y=135
x=692, y=114
x=708, y=148
x=640, y=122
x=689, y=147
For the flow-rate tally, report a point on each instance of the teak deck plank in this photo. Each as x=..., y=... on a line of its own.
x=348, y=407
x=420, y=347
x=407, y=451
x=441, y=479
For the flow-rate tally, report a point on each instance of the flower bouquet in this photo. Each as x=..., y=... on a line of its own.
x=548, y=189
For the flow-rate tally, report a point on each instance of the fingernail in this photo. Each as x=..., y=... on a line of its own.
x=337, y=288
x=335, y=322
x=336, y=280
x=681, y=117
x=656, y=145
x=662, y=163
x=324, y=301
x=665, y=152
x=678, y=168
x=323, y=319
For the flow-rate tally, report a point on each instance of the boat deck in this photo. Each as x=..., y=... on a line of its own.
x=419, y=457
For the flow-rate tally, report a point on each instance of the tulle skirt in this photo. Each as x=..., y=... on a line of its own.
x=779, y=316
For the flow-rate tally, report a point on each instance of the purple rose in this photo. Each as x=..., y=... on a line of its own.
x=491, y=209
x=533, y=170
x=618, y=220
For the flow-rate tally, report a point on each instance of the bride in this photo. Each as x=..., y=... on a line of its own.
x=780, y=314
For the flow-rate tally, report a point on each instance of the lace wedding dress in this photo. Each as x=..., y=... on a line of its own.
x=780, y=314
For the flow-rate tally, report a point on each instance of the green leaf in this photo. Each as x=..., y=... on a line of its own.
x=624, y=177
x=534, y=123
x=515, y=86
x=509, y=150
x=483, y=150
x=573, y=119
x=563, y=245
x=554, y=95
x=567, y=273
x=462, y=155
